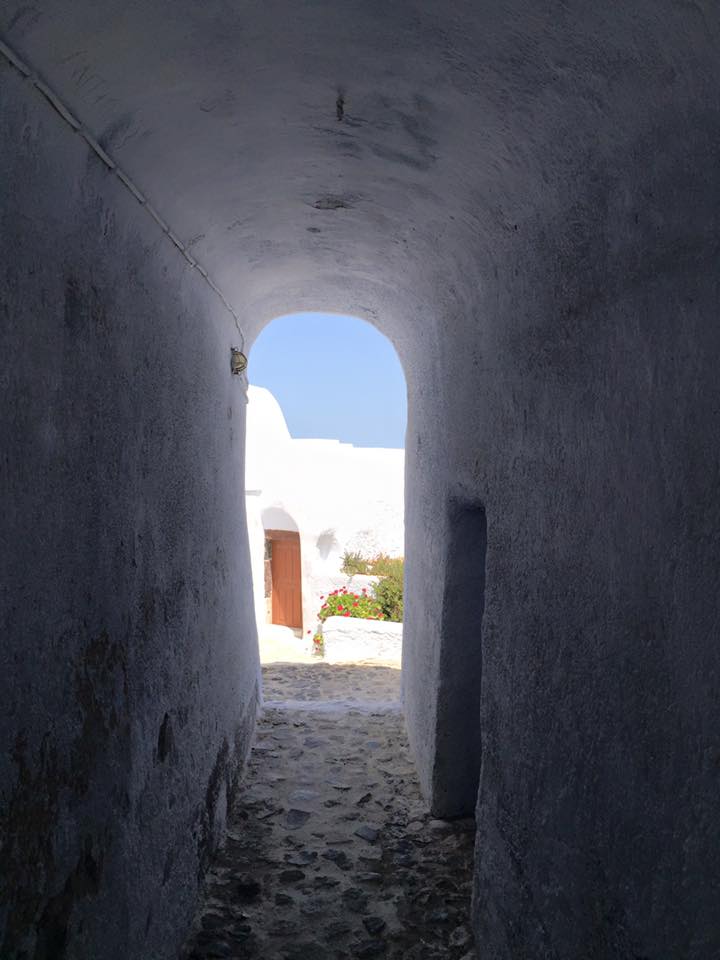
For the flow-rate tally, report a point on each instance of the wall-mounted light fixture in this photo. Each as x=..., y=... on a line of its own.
x=238, y=361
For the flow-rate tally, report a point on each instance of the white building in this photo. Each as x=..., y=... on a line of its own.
x=308, y=502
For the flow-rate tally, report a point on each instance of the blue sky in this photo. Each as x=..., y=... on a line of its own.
x=334, y=377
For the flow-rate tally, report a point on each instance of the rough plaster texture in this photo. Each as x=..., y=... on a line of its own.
x=352, y=640
x=129, y=674
x=524, y=197
x=336, y=496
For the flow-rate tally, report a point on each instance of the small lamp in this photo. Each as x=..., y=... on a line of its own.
x=238, y=361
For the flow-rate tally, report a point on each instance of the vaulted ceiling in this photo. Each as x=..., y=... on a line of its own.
x=363, y=156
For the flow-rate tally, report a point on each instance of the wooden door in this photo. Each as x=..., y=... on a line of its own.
x=286, y=588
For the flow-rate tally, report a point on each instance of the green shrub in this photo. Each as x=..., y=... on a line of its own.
x=354, y=563
x=384, y=566
x=389, y=595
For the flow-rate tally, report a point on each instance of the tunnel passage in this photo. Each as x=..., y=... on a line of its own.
x=525, y=197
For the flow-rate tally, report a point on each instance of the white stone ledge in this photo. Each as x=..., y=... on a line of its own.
x=352, y=640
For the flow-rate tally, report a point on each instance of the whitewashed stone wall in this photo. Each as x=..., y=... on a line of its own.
x=350, y=639
x=338, y=497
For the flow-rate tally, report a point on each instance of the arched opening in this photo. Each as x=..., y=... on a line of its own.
x=326, y=422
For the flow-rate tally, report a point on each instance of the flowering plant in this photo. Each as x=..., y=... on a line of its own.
x=345, y=603
x=389, y=589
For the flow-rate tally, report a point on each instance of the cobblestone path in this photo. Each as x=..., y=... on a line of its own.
x=330, y=854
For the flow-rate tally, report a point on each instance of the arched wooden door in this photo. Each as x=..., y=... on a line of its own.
x=286, y=578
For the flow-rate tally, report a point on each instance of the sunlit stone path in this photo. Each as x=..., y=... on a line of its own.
x=330, y=852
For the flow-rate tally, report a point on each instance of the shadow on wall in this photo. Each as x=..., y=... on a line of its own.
x=327, y=543
x=457, y=768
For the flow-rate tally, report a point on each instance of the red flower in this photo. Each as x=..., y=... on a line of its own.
x=339, y=606
x=346, y=614
x=355, y=604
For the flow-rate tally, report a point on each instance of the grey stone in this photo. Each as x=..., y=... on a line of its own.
x=322, y=880
x=306, y=950
x=302, y=858
x=459, y=937
x=355, y=900
x=403, y=860
x=296, y=818
x=371, y=856
x=338, y=857
x=303, y=796
x=367, y=832
x=246, y=888
x=370, y=948
x=313, y=908
x=337, y=929
x=439, y=916
x=283, y=928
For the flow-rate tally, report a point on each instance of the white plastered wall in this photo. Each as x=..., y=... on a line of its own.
x=337, y=496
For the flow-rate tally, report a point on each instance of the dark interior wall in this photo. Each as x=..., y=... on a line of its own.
x=129, y=672
x=595, y=450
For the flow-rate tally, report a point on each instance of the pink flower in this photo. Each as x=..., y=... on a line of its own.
x=355, y=604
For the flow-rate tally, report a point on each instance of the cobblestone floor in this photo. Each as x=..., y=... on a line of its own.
x=330, y=854
x=350, y=684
